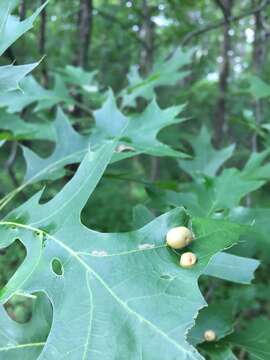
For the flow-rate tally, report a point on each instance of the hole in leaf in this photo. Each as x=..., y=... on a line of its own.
x=57, y=267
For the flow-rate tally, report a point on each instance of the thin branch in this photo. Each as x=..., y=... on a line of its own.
x=220, y=23
x=220, y=4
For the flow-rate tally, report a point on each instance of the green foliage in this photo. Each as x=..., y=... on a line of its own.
x=207, y=160
x=11, y=75
x=254, y=339
x=31, y=92
x=165, y=73
x=217, y=317
x=258, y=88
x=141, y=130
x=10, y=30
x=15, y=128
x=232, y=268
x=219, y=352
x=69, y=149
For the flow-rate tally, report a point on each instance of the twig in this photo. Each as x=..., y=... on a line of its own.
x=220, y=23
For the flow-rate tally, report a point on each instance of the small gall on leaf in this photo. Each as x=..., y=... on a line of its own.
x=146, y=246
x=99, y=253
x=124, y=148
x=209, y=335
x=179, y=237
x=188, y=259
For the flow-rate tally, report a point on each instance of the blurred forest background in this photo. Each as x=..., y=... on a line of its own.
x=223, y=50
x=223, y=84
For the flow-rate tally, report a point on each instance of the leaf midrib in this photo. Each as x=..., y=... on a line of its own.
x=22, y=346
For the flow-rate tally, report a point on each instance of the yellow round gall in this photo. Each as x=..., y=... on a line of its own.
x=179, y=237
x=209, y=335
x=188, y=259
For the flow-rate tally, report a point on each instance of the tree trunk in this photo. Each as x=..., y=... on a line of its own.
x=22, y=10
x=85, y=23
x=258, y=57
x=220, y=115
x=42, y=44
x=147, y=36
